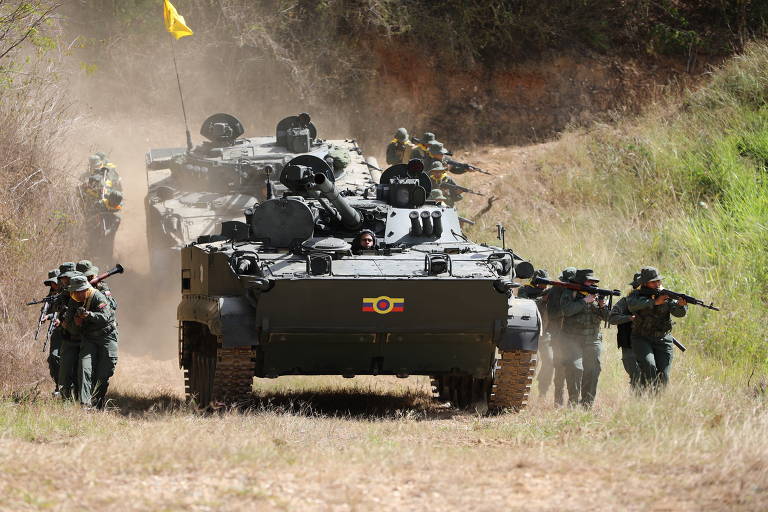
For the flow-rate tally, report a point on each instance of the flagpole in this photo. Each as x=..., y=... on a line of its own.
x=181, y=96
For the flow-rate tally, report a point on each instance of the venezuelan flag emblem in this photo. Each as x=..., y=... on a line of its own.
x=383, y=305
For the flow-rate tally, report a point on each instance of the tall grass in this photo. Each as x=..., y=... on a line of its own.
x=684, y=188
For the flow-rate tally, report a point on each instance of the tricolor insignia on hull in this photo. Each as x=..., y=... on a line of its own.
x=383, y=305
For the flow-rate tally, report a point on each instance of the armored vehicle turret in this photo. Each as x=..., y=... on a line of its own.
x=352, y=277
x=192, y=190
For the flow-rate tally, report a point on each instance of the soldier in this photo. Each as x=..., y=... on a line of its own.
x=422, y=148
x=622, y=319
x=52, y=282
x=540, y=294
x=69, y=353
x=437, y=196
x=554, y=326
x=581, y=341
x=400, y=148
x=364, y=241
x=441, y=180
x=652, y=328
x=95, y=320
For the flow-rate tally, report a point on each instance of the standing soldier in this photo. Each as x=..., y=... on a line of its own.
x=55, y=342
x=95, y=318
x=400, y=148
x=652, y=328
x=622, y=319
x=69, y=354
x=581, y=339
x=540, y=294
x=554, y=326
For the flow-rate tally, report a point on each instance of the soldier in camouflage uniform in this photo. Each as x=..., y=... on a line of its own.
x=400, y=148
x=581, y=340
x=440, y=180
x=95, y=320
x=69, y=353
x=622, y=319
x=652, y=328
x=554, y=326
x=52, y=282
x=422, y=148
x=540, y=294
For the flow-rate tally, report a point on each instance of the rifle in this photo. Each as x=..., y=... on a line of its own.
x=46, y=305
x=462, y=220
x=648, y=292
x=117, y=270
x=465, y=167
x=453, y=186
x=594, y=290
x=51, y=327
x=678, y=344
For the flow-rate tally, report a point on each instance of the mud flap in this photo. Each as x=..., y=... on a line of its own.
x=523, y=326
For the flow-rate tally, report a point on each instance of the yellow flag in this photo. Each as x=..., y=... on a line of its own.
x=174, y=22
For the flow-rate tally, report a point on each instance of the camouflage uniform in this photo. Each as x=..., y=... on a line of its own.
x=652, y=330
x=554, y=321
x=622, y=319
x=546, y=354
x=54, y=345
x=581, y=342
x=98, y=350
x=399, y=150
x=102, y=286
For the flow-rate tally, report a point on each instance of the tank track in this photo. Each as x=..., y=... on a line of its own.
x=226, y=380
x=513, y=376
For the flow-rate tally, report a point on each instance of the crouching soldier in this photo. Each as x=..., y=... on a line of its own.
x=94, y=316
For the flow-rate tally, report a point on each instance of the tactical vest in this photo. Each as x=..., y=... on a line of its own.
x=585, y=324
x=653, y=322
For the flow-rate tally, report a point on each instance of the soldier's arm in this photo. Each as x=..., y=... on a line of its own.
x=570, y=305
x=619, y=313
x=100, y=313
x=677, y=310
x=637, y=302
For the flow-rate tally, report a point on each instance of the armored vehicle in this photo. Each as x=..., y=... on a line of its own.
x=292, y=290
x=192, y=190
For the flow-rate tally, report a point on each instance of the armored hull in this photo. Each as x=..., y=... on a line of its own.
x=288, y=293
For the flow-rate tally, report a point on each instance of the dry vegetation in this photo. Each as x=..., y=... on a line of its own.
x=334, y=444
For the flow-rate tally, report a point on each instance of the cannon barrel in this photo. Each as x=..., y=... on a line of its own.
x=350, y=217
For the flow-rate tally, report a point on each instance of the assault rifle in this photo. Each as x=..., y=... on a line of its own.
x=462, y=167
x=594, y=290
x=46, y=306
x=648, y=292
x=458, y=188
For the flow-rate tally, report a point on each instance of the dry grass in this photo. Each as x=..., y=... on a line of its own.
x=333, y=444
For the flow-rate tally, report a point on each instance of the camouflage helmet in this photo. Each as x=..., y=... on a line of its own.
x=436, y=166
x=428, y=138
x=541, y=274
x=91, y=272
x=83, y=266
x=78, y=283
x=437, y=195
x=70, y=274
x=648, y=274
x=635, y=280
x=436, y=148
x=52, y=277
x=401, y=135
x=67, y=266
x=585, y=274
x=567, y=273
x=115, y=197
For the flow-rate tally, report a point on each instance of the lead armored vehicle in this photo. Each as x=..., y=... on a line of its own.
x=290, y=291
x=192, y=190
